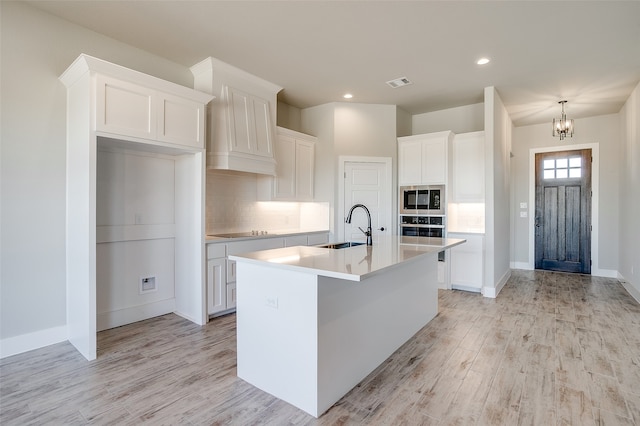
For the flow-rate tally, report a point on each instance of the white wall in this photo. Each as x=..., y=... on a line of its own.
x=36, y=49
x=498, y=133
x=349, y=129
x=629, y=180
x=464, y=119
x=603, y=131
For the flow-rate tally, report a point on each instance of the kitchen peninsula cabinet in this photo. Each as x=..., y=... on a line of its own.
x=242, y=118
x=310, y=320
x=422, y=159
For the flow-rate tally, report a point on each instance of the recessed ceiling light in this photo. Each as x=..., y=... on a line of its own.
x=348, y=96
x=483, y=61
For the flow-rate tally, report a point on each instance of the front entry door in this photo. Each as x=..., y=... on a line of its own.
x=563, y=211
x=366, y=183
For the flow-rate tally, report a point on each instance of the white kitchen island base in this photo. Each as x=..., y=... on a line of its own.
x=308, y=339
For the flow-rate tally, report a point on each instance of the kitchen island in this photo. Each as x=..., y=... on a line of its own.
x=312, y=322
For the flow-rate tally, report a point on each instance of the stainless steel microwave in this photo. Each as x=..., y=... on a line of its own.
x=422, y=199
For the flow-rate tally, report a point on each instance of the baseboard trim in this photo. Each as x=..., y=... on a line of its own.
x=30, y=341
x=492, y=292
x=521, y=265
x=634, y=292
x=606, y=273
x=112, y=319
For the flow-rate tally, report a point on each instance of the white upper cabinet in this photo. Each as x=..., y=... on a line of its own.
x=132, y=104
x=295, y=155
x=242, y=120
x=422, y=159
x=468, y=168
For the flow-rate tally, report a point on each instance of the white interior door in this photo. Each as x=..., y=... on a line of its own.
x=367, y=183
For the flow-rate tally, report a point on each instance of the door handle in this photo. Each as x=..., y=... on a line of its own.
x=537, y=222
x=381, y=229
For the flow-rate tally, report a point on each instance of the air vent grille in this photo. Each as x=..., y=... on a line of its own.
x=399, y=82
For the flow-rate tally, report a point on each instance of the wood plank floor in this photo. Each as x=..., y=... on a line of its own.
x=551, y=349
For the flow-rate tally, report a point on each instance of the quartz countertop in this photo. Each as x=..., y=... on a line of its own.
x=240, y=236
x=354, y=263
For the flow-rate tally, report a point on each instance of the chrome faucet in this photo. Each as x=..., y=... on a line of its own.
x=368, y=231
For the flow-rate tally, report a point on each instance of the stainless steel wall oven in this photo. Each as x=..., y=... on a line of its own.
x=423, y=226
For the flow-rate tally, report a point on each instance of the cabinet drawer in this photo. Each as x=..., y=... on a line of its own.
x=216, y=250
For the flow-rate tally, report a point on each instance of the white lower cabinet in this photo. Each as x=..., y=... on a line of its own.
x=467, y=262
x=216, y=286
x=315, y=239
x=221, y=272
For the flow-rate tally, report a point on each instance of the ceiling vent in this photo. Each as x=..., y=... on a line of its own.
x=399, y=82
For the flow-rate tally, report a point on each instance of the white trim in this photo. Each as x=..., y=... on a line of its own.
x=342, y=160
x=30, y=341
x=112, y=319
x=595, y=199
x=521, y=265
x=607, y=273
x=629, y=287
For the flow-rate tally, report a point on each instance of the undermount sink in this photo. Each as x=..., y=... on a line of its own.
x=346, y=244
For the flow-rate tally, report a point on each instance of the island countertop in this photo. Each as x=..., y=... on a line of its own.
x=354, y=263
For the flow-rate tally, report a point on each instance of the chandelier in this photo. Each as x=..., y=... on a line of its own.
x=562, y=126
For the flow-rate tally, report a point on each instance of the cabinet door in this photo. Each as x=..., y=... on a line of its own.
x=125, y=108
x=285, y=181
x=261, y=133
x=304, y=170
x=410, y=162
x=238, y=120
x=467, y=262
x=181, y=121
x=216, y=286
x=434, y=161
x=231, y=295
x=249, y=123
x=468, y=168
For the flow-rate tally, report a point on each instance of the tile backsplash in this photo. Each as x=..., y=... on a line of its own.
x=232, y=206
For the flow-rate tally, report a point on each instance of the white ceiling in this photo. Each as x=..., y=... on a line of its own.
x=541, y=52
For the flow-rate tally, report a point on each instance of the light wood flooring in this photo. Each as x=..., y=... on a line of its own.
x=551, y=349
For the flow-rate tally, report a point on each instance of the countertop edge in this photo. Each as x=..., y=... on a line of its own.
x=214, y=240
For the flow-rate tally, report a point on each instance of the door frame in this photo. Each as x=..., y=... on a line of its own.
x=595, y=188
x=342, y=160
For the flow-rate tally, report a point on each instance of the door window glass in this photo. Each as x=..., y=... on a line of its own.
x=562, y=168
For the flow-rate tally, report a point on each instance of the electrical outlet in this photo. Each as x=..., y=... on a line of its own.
x=523, y=214
x=272, y=302
x=147, y=284
x=523, y=205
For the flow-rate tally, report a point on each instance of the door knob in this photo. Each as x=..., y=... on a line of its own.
x=537, y=222
x=381, y=229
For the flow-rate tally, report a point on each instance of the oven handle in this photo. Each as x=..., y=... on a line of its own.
x=420, y=225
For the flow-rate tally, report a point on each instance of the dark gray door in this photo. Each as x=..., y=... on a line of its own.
x=563, y=211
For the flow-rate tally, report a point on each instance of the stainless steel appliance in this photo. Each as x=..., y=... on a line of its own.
x=423, y=226
x=422, y=200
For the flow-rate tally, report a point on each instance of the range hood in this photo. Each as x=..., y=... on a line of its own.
x=241, y=119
